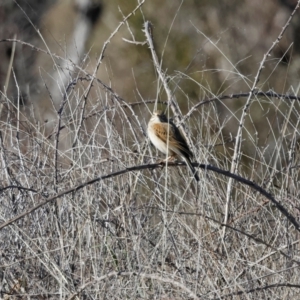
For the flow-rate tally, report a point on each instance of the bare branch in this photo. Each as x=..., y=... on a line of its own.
x=240, y=179
x=238, y=139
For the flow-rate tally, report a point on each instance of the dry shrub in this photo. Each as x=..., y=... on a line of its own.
x=148, y=233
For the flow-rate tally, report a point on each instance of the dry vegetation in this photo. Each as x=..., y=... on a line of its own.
x=87, y=213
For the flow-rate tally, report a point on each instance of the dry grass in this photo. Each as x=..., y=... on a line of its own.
x=151, y=233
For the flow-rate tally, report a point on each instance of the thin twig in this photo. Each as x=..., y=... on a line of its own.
x=89, y=77
x=238, y=140
x=238, y=178
x=270, y=93
x=265, y=287
x=107, y=42
x=250, y=236
x=158, y=277
x=17, y=187
x=148, y=29
x=59, y=128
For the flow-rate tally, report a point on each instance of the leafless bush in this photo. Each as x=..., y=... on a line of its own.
x=87, y=213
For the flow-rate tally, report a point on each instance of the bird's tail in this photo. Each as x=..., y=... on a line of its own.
x=193, y=170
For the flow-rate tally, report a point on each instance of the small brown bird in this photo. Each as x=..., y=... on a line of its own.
x=167, y=138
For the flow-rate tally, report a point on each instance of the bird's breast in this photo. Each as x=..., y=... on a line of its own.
x=157, y=142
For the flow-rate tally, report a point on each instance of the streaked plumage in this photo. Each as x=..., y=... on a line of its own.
x=167, y=138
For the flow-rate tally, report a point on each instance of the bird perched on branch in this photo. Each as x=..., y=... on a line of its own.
x=167, y=138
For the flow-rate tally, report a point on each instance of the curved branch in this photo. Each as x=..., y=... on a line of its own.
x=18, y=187
x=238, y=178
x=269, y=93
x=275, y=285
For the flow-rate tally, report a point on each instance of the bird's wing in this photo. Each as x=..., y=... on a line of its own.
x=167, y=131
x=177, y=143
x=182, y=144
x=163, y=131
